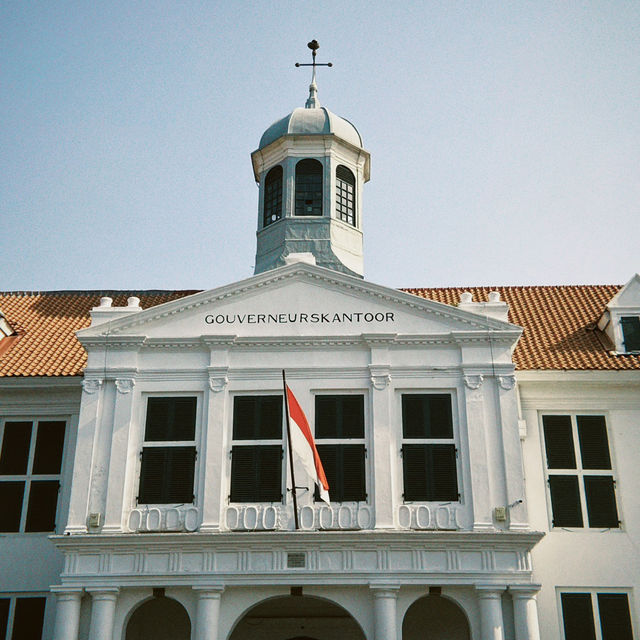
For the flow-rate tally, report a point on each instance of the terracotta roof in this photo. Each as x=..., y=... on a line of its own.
x=559, y=326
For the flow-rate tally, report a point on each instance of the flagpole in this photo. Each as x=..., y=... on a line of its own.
x=293, y=477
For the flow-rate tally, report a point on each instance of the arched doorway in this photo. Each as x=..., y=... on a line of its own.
x=435, y=618
x=159, y=619
x=297, y=618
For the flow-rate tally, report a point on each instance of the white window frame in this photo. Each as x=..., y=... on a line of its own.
x=29, y=476
x=147, y=444
x=364, y=440
x=282, y=442
x=579, y=472
x=455, y=440
x=593, y=592
x=13, y=597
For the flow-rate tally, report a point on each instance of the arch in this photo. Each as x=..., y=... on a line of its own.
x=437, y=618
x=296, y=618
x=345, y=195
x=272, y=207
x=308, y=188
x=159, y=619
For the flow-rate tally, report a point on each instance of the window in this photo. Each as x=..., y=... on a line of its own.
x=21, y=618
x=309, y=188
x=596, y=616
x=256, y=452
x=630, y=332
x=345, y=195
x=579, y=471
x=30, y=466
x=340, y=443
x=273, y=196
x=169, y=452
x=428, y=449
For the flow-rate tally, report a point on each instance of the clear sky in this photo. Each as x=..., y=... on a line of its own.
x=505, y=137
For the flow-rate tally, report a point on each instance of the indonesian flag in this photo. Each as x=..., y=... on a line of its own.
x=304, y=447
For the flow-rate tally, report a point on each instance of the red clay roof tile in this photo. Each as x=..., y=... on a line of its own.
x=559, y=326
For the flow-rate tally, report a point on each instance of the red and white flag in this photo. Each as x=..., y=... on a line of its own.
x=304, y=447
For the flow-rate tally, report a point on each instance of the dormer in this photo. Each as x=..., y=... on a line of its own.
x=621, y=319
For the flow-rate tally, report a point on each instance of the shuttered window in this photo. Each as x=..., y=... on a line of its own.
x=345, y=195
x=168, y=457
x=631, y=333
x=580, y=480
x=429, y=453
x=340, y=440
x=22, y=618
x=596, y=616
x=30, y=467
x=257, y=451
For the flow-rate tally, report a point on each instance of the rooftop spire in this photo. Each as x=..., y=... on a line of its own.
x=312, y=101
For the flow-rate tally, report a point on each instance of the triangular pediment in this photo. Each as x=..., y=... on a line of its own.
x=629, y=295
x=298, y=300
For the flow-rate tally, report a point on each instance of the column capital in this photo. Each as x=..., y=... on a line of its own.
x=60, y=589
x=209, y=591
x=490, y=591
x=524, y=590
x=384, y=590
x=103, y=593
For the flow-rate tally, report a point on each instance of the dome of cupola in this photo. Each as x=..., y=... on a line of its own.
x=312, y=121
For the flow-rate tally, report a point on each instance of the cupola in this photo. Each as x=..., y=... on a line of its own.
x=310, y=167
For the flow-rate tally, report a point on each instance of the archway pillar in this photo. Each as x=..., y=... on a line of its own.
x=103, y=608
x=491, y=622
x=525, y=611
x=385, y=617
x=208, y=612
x=67, y=612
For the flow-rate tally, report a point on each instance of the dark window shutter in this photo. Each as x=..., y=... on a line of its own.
x=429, y=472
x=565, y=501
x=339, y=416
x=43, y=500
x=28, y=619
x=601, y=501
x=257, y=417
x=427, y=416
x=11, y=495
x=577, y=616
x=615, y=618
x=631, y=332
x=344, y=466
x=594, y=445
x=256, y=473
x=166, y=475
x=14, y=456
x=170, y=418
x=558, y=442
x=4, y=616
x=49, y=445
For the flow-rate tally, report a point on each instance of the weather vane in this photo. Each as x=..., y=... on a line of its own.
x=313, y=101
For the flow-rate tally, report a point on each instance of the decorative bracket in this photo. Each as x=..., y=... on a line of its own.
x=380, y=376
x=91, y=385
x=125, y=385
x=474, y=382
x=507, y=382
x=218, y=378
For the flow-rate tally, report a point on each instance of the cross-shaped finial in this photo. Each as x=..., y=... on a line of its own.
x=312, y=101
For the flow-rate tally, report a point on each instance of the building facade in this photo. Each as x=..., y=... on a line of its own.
x=480, y=445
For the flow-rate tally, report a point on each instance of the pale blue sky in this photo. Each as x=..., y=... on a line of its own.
x=505, y=137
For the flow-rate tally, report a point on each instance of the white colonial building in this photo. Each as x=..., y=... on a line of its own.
x=483, y=479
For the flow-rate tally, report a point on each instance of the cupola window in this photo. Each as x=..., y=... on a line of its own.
x=309, y=188
x=273, y=196
x=345, y=195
